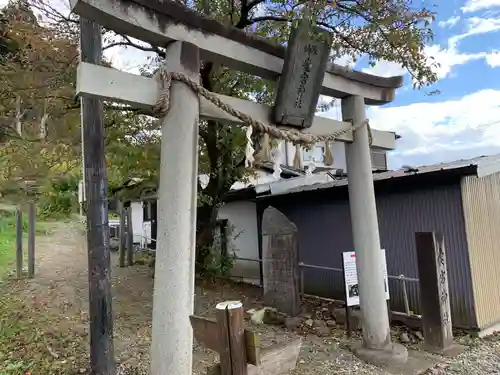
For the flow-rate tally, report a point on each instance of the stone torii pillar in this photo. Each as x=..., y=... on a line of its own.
x=377, y=347
x=173, y=303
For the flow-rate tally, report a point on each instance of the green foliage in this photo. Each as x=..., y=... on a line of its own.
x=59, y=197
x=393, y=30
x=219, y=258
x=7, y=240
x=40, y=121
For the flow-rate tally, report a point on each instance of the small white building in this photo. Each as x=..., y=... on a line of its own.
x=241, y=212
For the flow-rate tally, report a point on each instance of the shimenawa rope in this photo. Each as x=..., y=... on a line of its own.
x=163, y=103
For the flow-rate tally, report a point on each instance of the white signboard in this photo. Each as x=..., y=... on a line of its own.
x=146, y=234
x=81, y=191
x=351, y=277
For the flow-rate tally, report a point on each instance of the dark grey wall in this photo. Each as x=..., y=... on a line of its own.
x=323, y=221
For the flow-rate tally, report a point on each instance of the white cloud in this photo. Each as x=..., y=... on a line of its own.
x=446, y=57
x=493, y=59
x=450, y=22
x=385, y=68
x=442, y=131
x=345, y=60
x=475, y=5
x=259, y=10
x=450, y=56
x=476, y=26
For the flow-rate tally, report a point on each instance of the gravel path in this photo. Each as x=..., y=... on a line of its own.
x=60, y=287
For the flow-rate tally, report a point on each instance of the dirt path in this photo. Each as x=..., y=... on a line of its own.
x=57, y=301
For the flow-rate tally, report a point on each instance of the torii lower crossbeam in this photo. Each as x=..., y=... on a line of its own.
x=142, y=92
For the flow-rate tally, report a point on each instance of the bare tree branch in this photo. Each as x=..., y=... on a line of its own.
x=268, y=18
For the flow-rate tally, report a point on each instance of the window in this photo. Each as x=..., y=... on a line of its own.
x=146, y=211
x=315, y=154
x=221, y=236
x=379, y=160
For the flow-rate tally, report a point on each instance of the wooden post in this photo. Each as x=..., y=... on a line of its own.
x=208, y=332
x=227, y=336
x=101, y=318
x=434, y=294
x=19, y=242
x=123, y=236
x=31, y=239
x=232, y=351
x=173, y=302
x=130, y=237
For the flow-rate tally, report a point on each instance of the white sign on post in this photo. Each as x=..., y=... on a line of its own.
x=351, y=277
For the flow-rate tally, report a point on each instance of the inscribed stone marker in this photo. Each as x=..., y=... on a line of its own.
x=281, y=263
x=434, y=293
x=302, y=76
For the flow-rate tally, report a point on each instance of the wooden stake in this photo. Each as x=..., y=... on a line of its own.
x=236, y=345
x=19, y=243
x=123, y=237
x=207, y=332
x=232, y=342
x=130, y=237
x=31, y=239
x=101, y=319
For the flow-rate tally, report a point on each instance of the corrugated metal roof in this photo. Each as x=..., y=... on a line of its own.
x=484, y=165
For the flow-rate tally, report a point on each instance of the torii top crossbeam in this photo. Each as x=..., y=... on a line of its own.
x=158, y=22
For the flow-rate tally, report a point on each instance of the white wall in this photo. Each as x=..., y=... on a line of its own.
x=260, y=177
x=243, y=218
x=287, y=151
x=137, y=218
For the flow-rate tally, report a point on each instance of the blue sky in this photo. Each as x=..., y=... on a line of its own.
x=464, y=120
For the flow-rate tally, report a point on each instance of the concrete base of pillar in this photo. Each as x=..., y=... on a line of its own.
x=398, y=360
x=395, y=354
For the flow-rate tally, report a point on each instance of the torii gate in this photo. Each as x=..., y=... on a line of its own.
x=190, y=37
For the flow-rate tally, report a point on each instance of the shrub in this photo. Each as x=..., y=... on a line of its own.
x=59, y=197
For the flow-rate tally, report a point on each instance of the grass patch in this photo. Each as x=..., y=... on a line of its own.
x=8, y=239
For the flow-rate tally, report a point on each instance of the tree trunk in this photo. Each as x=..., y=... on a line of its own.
x=221, y=179
x=205, y=233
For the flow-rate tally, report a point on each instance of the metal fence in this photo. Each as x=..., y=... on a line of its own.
x=245, y=273
x=400, y=278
